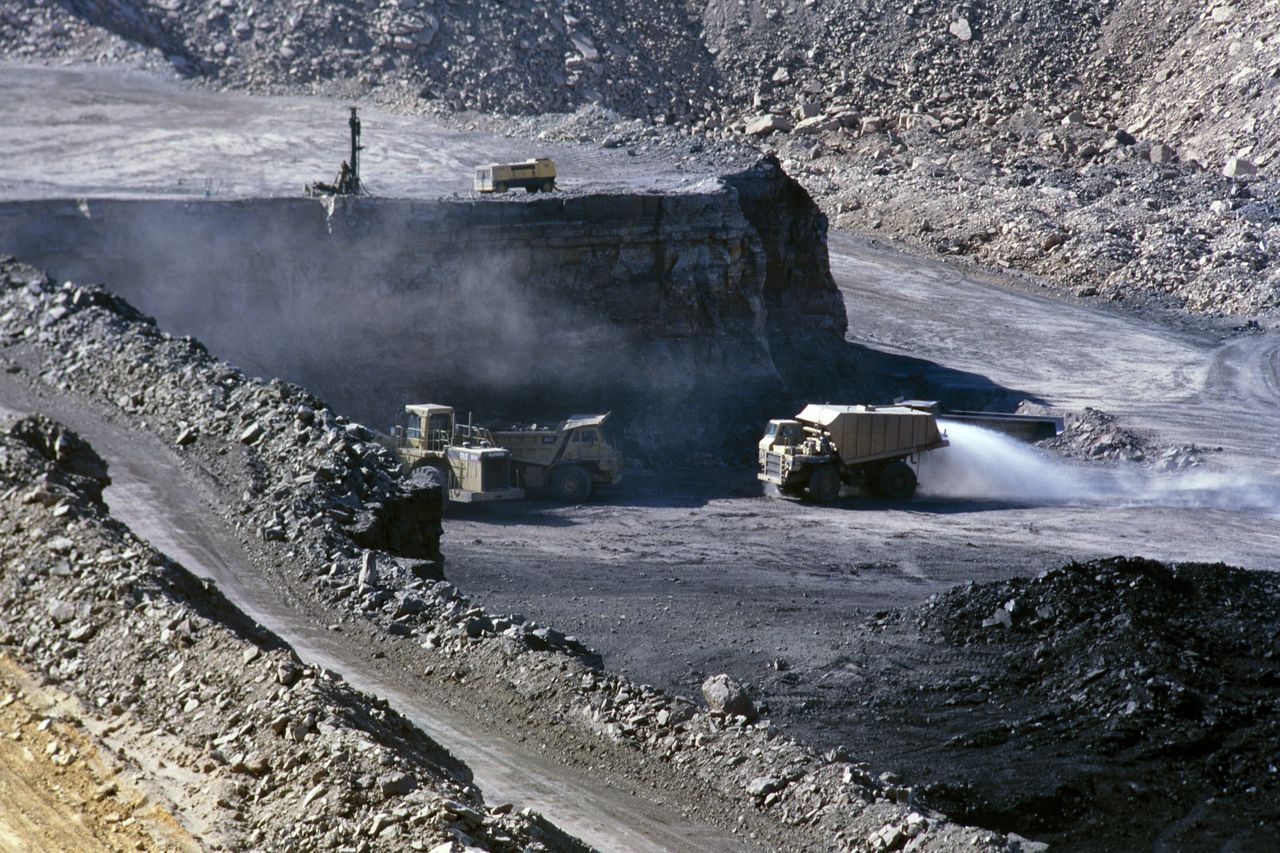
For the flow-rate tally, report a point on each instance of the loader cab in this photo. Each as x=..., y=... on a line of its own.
x=426, y=426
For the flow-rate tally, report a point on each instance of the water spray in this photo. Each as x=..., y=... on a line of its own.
x=985, y=465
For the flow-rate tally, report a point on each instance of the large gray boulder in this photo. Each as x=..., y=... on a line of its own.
x=727, y=696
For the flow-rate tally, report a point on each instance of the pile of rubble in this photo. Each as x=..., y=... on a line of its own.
x=509, y=56
x=1102, y=704
x=275, y=754
x=1099, y=436
x=1154, y=656
x=324, y=476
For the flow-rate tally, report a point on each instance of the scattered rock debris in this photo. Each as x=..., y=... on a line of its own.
x=1100, y=436
x=274, y=753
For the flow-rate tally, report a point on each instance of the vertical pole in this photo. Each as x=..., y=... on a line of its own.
x=354, y=123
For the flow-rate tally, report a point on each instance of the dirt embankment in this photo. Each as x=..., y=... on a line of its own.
x=250, y=746
x=63, y=787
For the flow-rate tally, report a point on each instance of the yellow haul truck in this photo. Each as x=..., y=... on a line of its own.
x=568, y=461
x=825, y=447
x=533, y=175
x=477, y=469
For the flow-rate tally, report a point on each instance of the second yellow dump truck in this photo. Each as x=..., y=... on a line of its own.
x=567, y=461
x=826, y=447
x=533, y=175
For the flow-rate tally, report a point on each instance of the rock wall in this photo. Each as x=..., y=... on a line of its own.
x=523, y=307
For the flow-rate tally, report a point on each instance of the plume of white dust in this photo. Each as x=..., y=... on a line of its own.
x=984, y=465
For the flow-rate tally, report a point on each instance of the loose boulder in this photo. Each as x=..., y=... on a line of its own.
x=727, y=696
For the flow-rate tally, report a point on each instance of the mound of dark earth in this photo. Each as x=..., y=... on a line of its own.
x=1118, y=704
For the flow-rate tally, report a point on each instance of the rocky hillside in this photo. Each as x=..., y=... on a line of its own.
x=1118, y=147
x=251, y=748
x=1201, y=77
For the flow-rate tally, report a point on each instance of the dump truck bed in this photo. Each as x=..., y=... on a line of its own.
x=866, y=433
x=540, y=446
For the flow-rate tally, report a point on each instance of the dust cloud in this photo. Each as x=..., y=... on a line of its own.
x=985, y=465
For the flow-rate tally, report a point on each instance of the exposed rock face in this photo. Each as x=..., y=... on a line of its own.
x=798, y=288
x=537, y=305
x=407, y=523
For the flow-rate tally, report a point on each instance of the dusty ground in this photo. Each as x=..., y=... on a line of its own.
x=126, y=133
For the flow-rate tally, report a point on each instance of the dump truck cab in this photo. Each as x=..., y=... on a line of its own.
x=779, y=434
x=568, y=461
x=477, y=470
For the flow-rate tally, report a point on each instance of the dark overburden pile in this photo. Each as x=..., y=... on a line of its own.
x=1121, y=685
x=1154, y=660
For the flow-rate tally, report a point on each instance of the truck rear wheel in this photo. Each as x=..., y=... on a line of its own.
x=824, y=484
x=897, y=481
x=569, y=484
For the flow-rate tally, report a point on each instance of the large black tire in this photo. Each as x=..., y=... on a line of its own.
x=824, y=483
x=897, y=481
x=548, y=186
x=570, y=484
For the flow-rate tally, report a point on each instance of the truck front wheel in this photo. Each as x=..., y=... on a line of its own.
x=824, y=484
x=570, y=484
x=897, y=481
